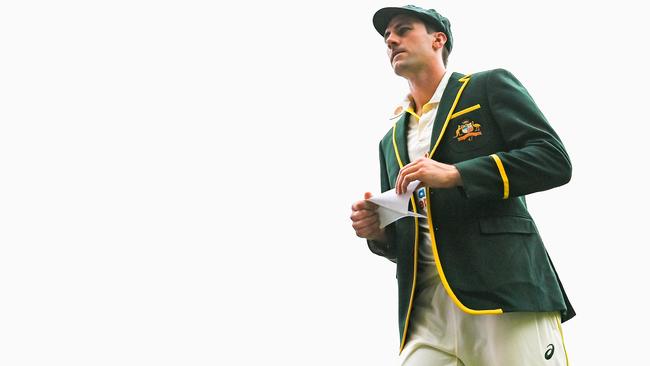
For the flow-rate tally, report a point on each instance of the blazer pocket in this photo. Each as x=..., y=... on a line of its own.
x=467, y=130
x=507, y=224
x=464, y=111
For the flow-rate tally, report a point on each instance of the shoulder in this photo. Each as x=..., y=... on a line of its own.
x=496, y=82
x=387, y=141
x=491, y=75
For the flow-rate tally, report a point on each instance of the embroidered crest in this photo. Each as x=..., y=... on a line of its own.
x=467, y=130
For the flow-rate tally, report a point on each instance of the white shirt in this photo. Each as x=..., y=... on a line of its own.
x=419, y=144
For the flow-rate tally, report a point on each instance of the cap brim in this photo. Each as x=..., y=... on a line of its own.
x=383, y=16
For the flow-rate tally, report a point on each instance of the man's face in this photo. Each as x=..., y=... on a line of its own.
x=409, y=44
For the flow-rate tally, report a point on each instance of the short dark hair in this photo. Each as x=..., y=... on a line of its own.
x=445, y=52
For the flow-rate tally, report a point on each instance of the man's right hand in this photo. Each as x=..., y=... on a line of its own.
x=365, y=220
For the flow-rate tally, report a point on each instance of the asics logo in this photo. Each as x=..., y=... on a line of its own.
x=550, y=349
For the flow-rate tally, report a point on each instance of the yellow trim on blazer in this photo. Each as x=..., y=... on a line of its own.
x=441, y=273
x=415, y=255
x=466, y=110
x=434, y=247
x=464, y=80
x=410, y=111
x=399, y=161
x=415, y=277
x=504, y=176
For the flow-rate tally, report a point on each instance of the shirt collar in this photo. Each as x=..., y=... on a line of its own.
x=407, y=104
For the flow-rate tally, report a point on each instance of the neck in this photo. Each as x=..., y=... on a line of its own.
x=424, y=84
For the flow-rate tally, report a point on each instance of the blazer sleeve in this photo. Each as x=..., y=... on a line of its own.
x=387, y=250
x=534, y=158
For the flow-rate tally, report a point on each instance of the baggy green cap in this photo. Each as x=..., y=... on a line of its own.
x=383, y=16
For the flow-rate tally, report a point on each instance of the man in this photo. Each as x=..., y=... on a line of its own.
x=476, y=286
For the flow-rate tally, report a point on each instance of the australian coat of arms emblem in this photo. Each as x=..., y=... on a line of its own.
x=467, y=130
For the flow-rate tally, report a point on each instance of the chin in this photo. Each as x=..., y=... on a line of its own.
x=399, y=69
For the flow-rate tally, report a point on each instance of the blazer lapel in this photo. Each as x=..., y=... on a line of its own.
x=401, y=128
x=445, y=109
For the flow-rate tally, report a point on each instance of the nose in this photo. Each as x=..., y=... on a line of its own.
x=392, y=41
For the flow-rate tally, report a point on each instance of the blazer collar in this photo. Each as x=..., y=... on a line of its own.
x=444, y=110
x=445, y=107
x=407, y=104
x=400, y=130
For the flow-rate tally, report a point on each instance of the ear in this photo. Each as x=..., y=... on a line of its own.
x=439, y=40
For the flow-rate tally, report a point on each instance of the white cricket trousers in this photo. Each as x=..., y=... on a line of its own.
x=440, y=334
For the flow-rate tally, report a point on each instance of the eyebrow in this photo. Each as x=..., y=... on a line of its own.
x=397, y=25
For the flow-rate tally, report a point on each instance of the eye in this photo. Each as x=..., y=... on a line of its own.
x=402, y=30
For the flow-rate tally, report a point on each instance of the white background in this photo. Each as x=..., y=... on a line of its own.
x=176, y=177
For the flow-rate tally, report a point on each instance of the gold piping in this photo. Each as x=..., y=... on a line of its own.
x=415, y=277
x=504, y=177
x=395, y=147
x=441, y=273
x=466, y=110
x=415, y=255
x=410, y=111
x=464, y=80
x=443, y=278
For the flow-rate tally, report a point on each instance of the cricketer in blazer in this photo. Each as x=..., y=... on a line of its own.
x=487, y=250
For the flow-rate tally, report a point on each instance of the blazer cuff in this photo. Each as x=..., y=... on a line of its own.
x=483, y=178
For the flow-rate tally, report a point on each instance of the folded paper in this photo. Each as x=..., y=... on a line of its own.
x=393, y=206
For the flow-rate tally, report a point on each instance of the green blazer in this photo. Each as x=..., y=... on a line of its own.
x=488, y=252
